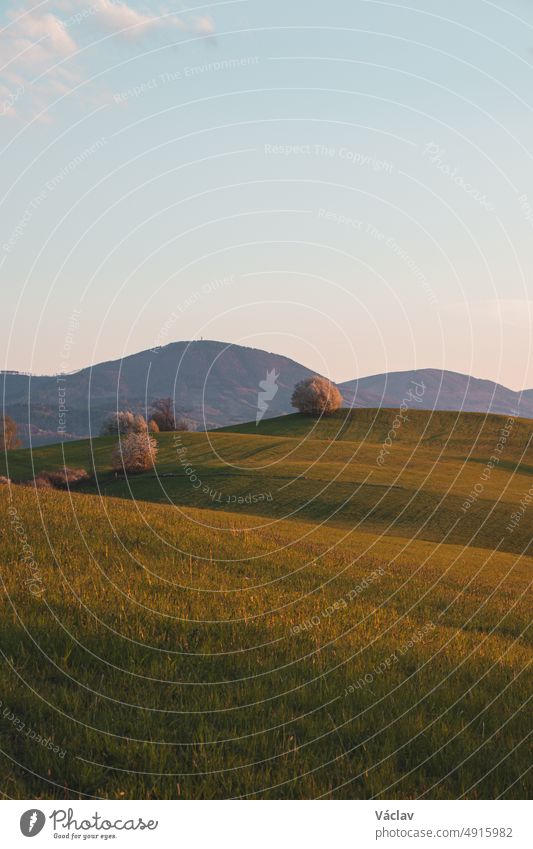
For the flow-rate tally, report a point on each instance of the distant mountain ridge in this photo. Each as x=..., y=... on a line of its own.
x=442, y=390
x=216, y=384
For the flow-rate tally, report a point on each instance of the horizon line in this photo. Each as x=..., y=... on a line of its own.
x=156, y=348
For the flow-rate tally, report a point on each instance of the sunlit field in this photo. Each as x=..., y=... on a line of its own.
x=293, y=618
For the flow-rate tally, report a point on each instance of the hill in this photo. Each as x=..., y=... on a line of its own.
x=216, y=384
x=465, y=431
x=438, y=390
x=330, y=472
x=354, y=635
x=212, y=384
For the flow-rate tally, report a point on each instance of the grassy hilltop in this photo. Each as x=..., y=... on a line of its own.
x=294, y=467
x=352, y=633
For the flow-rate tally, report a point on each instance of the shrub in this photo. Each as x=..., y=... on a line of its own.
x=137, y=452
x=61, y=479
x=40, y=481
x=316, y=396
x=123, y=422
x=8, y=434
x=66, y=478
x=153, y=427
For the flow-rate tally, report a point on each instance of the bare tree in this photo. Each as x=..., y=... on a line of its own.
x=316, y=396
x=163, y=414
x=8, y=434
x=137, y=452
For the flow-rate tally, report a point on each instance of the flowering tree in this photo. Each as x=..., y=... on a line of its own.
x=316, y=396
x=123, y=422
x=137, y=452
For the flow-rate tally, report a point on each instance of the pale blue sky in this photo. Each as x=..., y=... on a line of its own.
x=348, y=183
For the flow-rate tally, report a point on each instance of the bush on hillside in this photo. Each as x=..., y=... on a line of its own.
x=316, y=396
x=64, y=478
x=137, y=452
x=123, y=422
x=8, y=434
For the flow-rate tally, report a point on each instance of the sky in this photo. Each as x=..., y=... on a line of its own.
x=349, y=184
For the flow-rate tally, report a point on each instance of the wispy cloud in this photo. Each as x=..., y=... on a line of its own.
x=125, y=20
x=39, y=43
x=31, y=45
x=120, y=18
x=496, y=312
x=32, y=40
x=510, y=312
x=202, y=24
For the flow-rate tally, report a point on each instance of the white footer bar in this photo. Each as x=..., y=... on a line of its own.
x=265, y=824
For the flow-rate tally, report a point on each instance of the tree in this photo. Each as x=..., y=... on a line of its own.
x=163, y=414
x=8, y=434
x=137, y=452
x=123, y=422
x=316, y=396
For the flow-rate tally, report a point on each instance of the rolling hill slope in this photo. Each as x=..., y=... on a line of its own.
x=355, y=635
x=329, y=472
x=216, y=384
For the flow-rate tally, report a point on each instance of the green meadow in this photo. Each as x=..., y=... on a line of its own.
x=273, y=612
